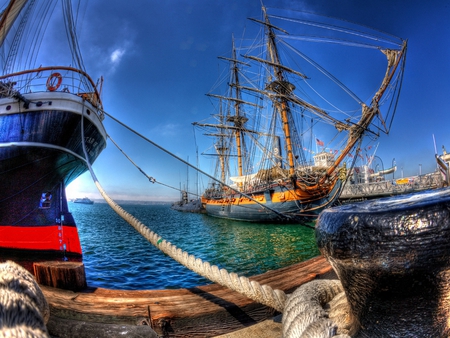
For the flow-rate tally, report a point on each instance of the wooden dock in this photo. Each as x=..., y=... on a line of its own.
x=203, y=311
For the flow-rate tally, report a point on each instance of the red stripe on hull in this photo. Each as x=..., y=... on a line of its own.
x=41, y=238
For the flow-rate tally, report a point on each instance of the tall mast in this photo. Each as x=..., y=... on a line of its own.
x=238, y=120
x=281, y=87
x=221, y=147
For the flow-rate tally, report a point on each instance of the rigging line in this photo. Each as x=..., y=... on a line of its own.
x=150, y=178
x=325, y=72
x=72, y=35
x=38, y=34
x=339, y=29
x=398, y=88
x=195, y=168
x=323, y=39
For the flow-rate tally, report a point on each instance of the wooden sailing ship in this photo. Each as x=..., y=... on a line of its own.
x=50, y=129
x=272, y=116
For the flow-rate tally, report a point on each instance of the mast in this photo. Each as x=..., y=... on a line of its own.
x=234, y=122
x=281, y=87
x=237, y=119
x=221, y=147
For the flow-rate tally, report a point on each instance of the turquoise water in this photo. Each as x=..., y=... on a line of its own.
x=116, y=256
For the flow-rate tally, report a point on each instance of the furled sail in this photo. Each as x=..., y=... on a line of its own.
x=8, y=16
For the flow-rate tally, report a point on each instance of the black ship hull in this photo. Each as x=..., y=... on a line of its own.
x=41, y=152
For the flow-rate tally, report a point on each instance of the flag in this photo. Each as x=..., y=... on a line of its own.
x=319, y=142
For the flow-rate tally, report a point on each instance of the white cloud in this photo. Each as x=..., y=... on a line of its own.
x=116, y=55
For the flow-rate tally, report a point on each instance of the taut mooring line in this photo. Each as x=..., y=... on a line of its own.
x=195, y=168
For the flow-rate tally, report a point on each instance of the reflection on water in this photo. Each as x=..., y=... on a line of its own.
x=116, y=256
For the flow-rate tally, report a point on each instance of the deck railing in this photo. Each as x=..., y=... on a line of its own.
x=51, y=79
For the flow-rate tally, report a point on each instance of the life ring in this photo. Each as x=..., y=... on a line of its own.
x=51, y=85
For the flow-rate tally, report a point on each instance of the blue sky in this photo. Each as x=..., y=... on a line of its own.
x=159, y=58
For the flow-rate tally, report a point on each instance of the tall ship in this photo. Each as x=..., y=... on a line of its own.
x=50, y=130
x=286, y=129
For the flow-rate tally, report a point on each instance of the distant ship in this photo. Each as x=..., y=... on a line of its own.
x=188, y=205
x=84, y=200
x=270, y=111
x=50, y=128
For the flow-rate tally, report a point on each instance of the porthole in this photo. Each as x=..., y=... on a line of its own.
x=45, y=200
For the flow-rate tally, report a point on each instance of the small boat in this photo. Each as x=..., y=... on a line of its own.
x=50, y=130
x=83, y=200
x=271, y=111
x=188, y=205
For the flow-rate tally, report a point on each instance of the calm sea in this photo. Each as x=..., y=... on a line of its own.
x=116, y=256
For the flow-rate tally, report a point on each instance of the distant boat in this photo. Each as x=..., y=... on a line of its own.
x=84, y=200
x=264, y=132
x=188, y=205
x=50, y=128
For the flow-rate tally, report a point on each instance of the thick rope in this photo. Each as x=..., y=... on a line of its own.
x=252, y=289
x=303, y=313
x=310, y=311
x=24, y=311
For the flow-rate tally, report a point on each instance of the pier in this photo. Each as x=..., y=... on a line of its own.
x=363, y=191
x=203, y=311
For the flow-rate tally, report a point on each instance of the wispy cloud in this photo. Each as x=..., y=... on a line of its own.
x=116, y=55
x=167, y=130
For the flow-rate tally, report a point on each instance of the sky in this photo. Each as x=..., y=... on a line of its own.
x=159, y=59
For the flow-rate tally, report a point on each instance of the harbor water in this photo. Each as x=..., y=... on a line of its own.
x=117, y=257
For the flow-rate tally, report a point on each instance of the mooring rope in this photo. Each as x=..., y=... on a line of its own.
x=252, y=289
x=309, y=319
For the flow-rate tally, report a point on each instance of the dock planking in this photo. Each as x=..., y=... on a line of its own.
x=203, y=311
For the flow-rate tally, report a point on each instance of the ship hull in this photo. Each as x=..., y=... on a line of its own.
x=41, y=152
x=278, y=204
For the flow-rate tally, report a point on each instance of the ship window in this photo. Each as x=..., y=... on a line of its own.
x=45, y=201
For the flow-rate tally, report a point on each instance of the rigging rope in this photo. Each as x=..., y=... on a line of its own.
x=281, y=215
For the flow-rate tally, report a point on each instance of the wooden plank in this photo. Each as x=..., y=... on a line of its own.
x=62, y=275
x=193, y=312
